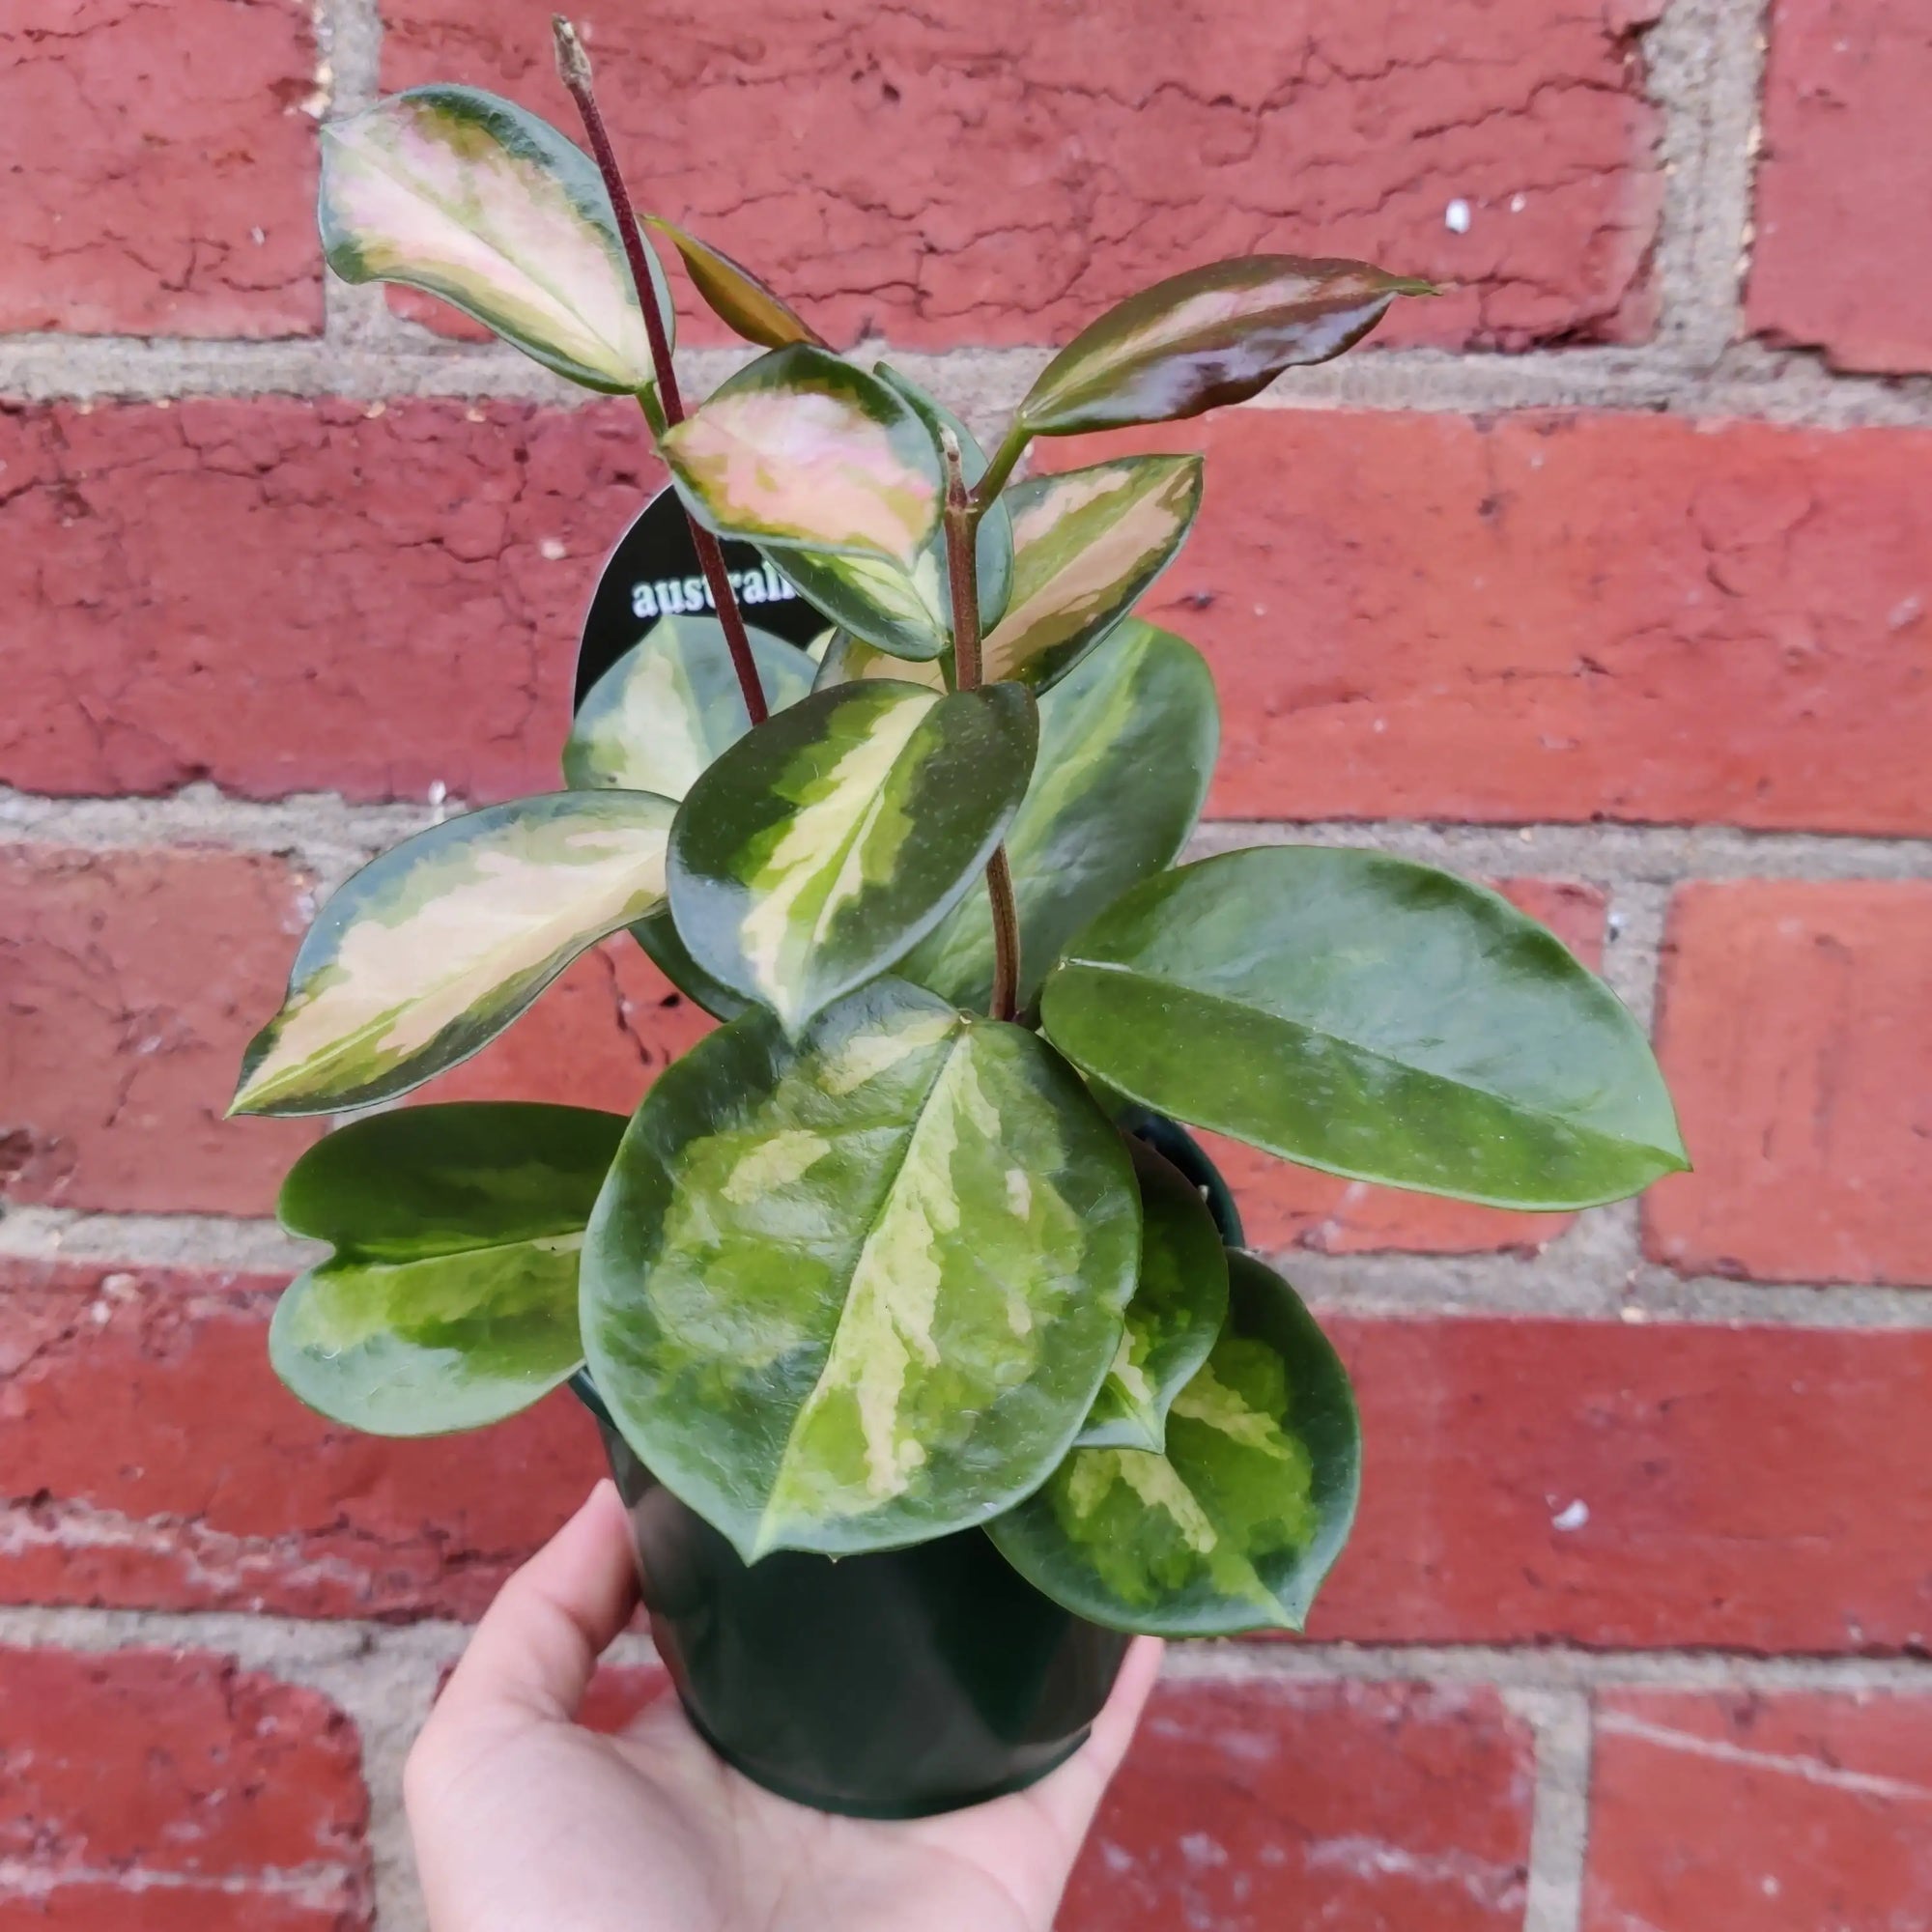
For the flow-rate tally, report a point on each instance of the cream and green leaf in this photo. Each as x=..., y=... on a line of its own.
x=1214, y=335
x=1127, y=747
x=848, y=659
x=671, y=704
x=736, y=296
x=826, y=844
x=450, y=1300
x=1372, y=1018
x=860, y=1289
x=431, y=951
x=1180, y=1303
x=1232, y=1526
x=825, y=465
x=468, y=197
x=1087, y=544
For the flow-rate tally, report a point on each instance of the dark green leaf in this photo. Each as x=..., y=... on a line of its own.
x=1235, y=1524
x=1180, y=1303
x=736, y=296
x=658, y=936
x=821, y=848
x=1214, y=335
x=1372, y=1018
x=1127, y=747
x=859, y=1290
x=451, y=1299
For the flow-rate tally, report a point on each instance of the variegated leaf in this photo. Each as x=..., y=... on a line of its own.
x=1369, y=1016
x=859, y=1290
x=1214, y=335
x=900, y=609
x=801, y=449
x=431, y=951
x=1087, y=544
x=671, y=704
x=451, y=1299
x=1126, y=748
x=1233, y=1526
x=821, y=848
x=1180, y=1303
x=848, y=659
x=736, y=296
x=455, y=191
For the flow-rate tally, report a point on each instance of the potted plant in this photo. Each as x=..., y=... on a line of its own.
x=919, y=1328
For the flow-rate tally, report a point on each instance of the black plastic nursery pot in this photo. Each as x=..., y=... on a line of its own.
x=892, y=1685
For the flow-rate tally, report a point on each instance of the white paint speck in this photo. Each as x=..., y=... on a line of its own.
x=438, y=791
x=1456, y=217
x=1575, y=1517
x=552, y=550
x=1770, y=1885
x=257, y=235
x=1518, y=203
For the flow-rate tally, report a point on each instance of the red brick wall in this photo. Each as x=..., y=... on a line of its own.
x=1608, y=576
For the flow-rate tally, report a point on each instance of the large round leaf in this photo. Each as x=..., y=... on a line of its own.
x=1234, y=1525
x=1213, y=335
x=451, y=1299
x=470, y=197
x=1372, y=1018
x=859, y=1290
x=1087, y=544
x=670, y=704
x=431, y=951
x=1180, y=1303
x=1126, y=748
x=823, y=846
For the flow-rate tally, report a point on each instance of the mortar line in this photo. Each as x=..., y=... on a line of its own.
x=1559, y=1835
x=374, y=358
x=324, y=830
x=1582, y=1288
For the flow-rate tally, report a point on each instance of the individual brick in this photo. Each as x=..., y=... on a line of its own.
x=133, y=980
x=161, y=168
x=1251, y=1806
x=982, y=171
x=1727, y=1808
x=1839, y=259
x=1796, y=1034
x=1637, y=1485
x=174, y=1791
x=154, y=1459
x=1595, y=617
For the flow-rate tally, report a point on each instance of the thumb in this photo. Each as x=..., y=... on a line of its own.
x=540, y=1640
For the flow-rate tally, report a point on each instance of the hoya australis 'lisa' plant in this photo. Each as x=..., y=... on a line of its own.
x=911, y=1248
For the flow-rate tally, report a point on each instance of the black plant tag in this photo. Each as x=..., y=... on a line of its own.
x=653, y=573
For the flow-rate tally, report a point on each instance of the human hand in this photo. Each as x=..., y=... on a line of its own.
x=525, y=1822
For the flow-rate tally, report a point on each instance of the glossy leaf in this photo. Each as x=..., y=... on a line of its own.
x=671, y=704
x=735, y=296
x=859, y=1290
x=1179, y=1302
x=1214, y=335
x=848, y=659
x=657, y=934
x=451, y=1299
x=430, y=951
x=802, y=449
x=905, y=610
x=993, y=550
x=1087, y=544
x=1372, y=1018
x=1127, y=747
x=466, y=195
x=1233, y=1526
x=821, y=848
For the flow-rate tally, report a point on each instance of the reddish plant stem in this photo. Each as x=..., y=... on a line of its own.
x=573, y=66
x=962, y=569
